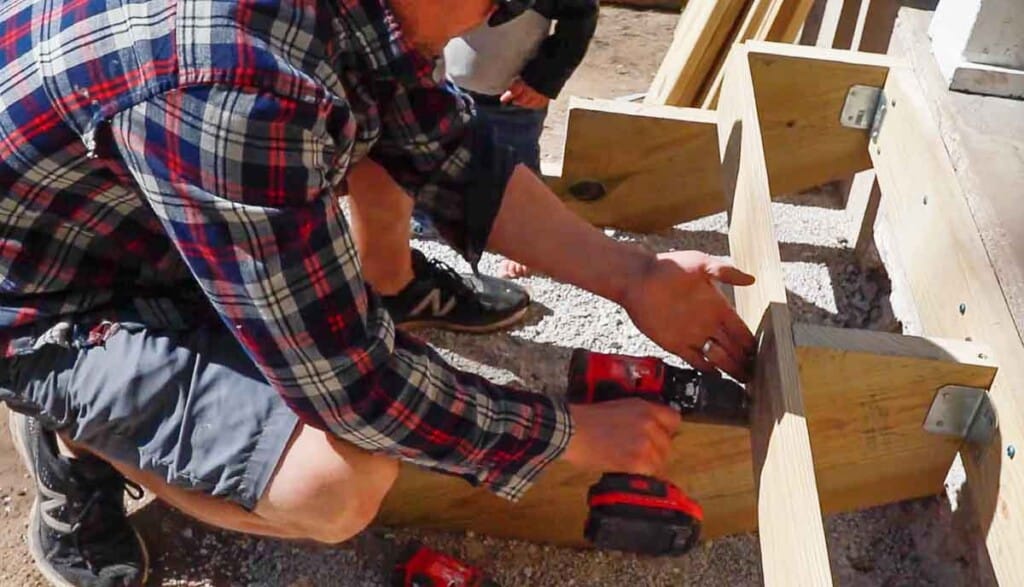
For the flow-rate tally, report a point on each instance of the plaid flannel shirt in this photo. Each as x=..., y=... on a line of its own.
x=176, y=162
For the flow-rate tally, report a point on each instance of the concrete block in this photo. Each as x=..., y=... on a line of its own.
x=979, y=45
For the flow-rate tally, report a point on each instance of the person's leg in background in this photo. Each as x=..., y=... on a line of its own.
x=415, y=290
x=521, y=129
x=517, y=127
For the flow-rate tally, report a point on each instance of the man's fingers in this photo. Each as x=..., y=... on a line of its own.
x=727, y=273
x=696, y=360
x=724, y=360
x=508, y=96
x=667, y=419
x=737, y=330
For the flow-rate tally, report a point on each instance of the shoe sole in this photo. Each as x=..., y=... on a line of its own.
x=17, y=424
x=484, y=329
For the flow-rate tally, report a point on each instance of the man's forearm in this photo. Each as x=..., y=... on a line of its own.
x=535, y=228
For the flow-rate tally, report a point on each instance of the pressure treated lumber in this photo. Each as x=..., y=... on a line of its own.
x=787, y=492
x=658, y=164
x=866, y=395
x=703, y=34
x=800, y=93
x=766, y=20
x=957, y=295
x=752, y=18
x=853, y=378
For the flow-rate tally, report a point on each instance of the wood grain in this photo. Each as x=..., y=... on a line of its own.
x=946, y=265
x=800, y=93
x=787, y=493
x=765, y=20
x=887, y=381
x=704, y=32
x=864, y=425
x=658, y=164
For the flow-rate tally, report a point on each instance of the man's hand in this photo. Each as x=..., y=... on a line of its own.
x=626, y=436
x=676, y=303
x=524, y=96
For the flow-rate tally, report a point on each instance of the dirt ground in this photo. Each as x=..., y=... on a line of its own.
x=914, y=543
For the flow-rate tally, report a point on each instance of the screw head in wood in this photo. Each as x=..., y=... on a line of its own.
x=1011, y=451
x=588, y=190
x=963, y=308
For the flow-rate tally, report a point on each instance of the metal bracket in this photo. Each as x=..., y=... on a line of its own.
x=964, y=412
x=864, y=108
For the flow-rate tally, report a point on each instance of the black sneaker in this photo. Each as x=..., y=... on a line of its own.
x=441, y=298
x=78, y=530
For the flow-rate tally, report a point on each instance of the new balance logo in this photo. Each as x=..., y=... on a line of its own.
x=50, y=503
x=433, y=300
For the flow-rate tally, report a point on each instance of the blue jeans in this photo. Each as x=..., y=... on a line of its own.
x=519, y=128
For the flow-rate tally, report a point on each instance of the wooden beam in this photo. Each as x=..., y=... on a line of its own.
x=866, y=394
x=752, y=19
x=800, y=93
x=702, y=34
x=658, y=164
x=886, y=380
x=766, y=20
x=787, y=493
x=828, y=30
x=784, y=21
x=957, y=295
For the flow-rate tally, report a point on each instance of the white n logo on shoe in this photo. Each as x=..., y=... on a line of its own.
x=433, y=299
x=50, y=501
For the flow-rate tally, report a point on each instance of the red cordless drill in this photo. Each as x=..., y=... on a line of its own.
x=639, y=513
x=423, y=567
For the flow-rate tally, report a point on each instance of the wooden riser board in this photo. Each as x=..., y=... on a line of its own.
x=876, y=454
x=788, y=502
x=800, y=93
x=947, y=268
x=659, y=164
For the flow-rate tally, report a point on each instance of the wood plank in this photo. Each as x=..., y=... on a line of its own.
x=658, y=164
x=885, y=380
x=882, y=425
x=766, y=20
x=752, y=19
x=784, y=21
x=800, y=92
x=787, y=494
x=947, y=268
x=702, y=34
x=828, y=30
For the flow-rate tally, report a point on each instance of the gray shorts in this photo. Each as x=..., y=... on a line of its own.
x=190, y=407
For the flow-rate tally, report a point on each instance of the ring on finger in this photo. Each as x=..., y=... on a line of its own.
x=704, y=350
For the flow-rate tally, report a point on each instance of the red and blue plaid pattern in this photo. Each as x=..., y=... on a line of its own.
x=176, y=162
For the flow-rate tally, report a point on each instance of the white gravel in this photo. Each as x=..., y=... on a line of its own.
x=915, y=543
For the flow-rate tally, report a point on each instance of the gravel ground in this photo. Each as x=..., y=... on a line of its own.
x=913, y=543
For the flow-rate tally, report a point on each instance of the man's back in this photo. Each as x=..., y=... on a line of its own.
x=77, y=236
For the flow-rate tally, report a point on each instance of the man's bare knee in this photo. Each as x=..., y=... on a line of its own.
x=353, y=507
x=326, y=489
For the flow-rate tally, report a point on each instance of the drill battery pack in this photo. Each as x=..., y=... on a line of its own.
x=642, y=515
x=420, y=566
